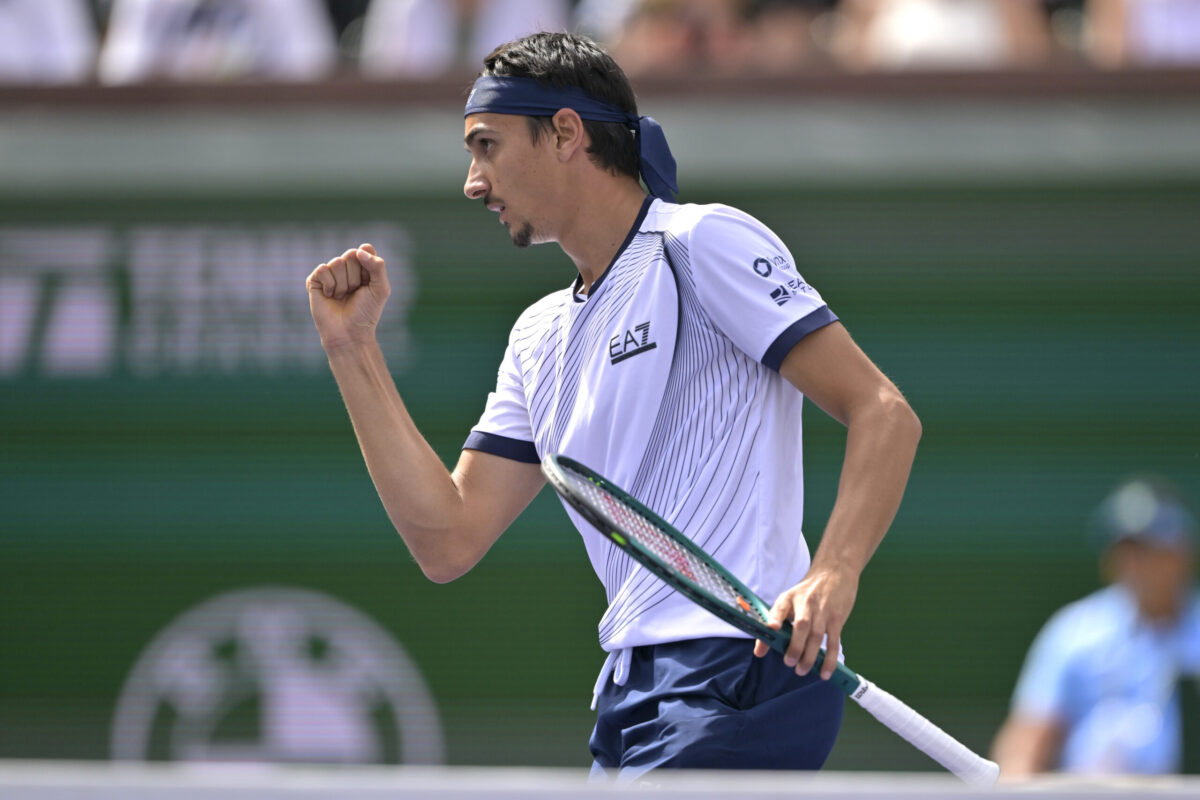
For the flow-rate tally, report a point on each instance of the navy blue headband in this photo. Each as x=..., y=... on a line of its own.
x=527, y=97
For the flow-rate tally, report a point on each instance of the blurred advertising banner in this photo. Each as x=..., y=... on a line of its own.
x=178, y=300
x=276, y=674
x=171, y=438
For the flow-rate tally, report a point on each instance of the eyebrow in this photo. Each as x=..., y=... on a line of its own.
x=476, y=131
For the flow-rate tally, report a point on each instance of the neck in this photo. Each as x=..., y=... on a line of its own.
x=599, y=225
x=1159, y=611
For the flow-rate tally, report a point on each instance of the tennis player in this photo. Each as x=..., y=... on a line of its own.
x=675, y=364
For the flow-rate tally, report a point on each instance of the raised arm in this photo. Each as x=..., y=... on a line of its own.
x=447, y=519
x=881, y=442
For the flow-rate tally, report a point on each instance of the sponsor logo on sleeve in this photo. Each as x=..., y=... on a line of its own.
x=798, y=285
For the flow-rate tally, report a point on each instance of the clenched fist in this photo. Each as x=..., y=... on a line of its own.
x=346, y=297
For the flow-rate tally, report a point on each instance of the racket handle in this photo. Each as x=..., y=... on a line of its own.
x=843, y=677
x=925, y=736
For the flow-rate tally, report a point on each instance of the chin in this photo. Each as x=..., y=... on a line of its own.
x=524, y=236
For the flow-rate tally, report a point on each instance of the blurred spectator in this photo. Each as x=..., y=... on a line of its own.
x=675, y=37
x=784, y=33
x=941, y=34
x=1065, y=18
x=1100, y=690
x=207, y=40
x=420, y=38
x=46, y=41
x=347, y=17
x=1143, y=32
x=603, y=20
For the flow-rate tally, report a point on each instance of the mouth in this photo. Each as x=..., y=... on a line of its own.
x=498, y=208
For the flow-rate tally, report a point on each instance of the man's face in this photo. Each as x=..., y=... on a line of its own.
x=509, y=172
x=1157, y=575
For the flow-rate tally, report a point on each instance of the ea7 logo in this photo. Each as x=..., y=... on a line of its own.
x=636, y=340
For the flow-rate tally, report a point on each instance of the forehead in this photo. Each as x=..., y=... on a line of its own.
x=489, y=123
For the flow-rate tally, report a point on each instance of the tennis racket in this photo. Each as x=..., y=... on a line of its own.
x=684, y=566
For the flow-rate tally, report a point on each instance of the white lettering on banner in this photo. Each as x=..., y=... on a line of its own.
x=57, y=297
x=180, y=299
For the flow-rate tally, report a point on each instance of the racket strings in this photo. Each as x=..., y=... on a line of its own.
x=634, y=526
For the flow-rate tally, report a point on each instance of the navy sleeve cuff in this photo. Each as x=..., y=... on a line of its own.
x=502, y=446
x=802, y=327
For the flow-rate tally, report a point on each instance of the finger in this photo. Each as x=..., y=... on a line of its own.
x=374, y=266
x=338, y=268
x=760, y=648
x=370, y=248
x=833, y=646
x=371, y=262
x=321, y=280
x=779, y=612
x=812, y=648
x=796, y=647
x=354, y=273
x=356, y=270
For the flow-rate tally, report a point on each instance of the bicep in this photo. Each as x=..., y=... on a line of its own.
x=830, y=369
x=494, y=490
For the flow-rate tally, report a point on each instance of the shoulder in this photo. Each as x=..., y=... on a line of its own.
x=1091, y=621
x=692, y=221
x=540, y=313
x=1189, y=630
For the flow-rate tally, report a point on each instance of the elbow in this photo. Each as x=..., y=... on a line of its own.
x=911, y=421
x=902, y=416
x=443, y=569
x=442, y=565
x=441, y=573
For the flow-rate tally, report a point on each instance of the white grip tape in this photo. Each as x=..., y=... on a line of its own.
x=925, y=736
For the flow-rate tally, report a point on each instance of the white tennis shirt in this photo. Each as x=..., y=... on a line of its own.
x=664, y=380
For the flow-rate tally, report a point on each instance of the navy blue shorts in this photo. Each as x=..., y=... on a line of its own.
x=710, y=704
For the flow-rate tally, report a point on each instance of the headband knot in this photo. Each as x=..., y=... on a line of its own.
x=530, y=98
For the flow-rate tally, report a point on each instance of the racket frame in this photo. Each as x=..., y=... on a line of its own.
x=885, y=707
x=555, y=468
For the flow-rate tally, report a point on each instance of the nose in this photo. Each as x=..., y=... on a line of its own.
x=476, y=186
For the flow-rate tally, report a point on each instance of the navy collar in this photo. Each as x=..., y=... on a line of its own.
x=637, y=224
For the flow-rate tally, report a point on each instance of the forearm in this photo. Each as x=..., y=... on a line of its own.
x=1027, y=745
x=420, y=496
x=881, y=443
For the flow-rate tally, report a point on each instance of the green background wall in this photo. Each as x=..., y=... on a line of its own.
x=1046, y=332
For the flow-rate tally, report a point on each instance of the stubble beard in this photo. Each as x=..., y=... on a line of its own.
x=524, y=236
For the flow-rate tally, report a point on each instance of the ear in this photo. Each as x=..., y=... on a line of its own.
x=569, y=135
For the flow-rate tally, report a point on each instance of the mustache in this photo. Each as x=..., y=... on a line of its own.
x=489, y=200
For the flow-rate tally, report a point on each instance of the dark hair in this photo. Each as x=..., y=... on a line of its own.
x=565, y=60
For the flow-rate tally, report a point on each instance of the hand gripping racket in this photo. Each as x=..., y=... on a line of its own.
x=684, y=566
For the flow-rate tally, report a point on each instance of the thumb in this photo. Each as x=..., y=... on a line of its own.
x=373, y=264
x=370, y=248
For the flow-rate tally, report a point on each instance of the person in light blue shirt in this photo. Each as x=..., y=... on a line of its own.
x=1099, y=692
